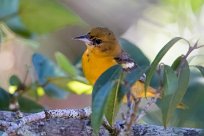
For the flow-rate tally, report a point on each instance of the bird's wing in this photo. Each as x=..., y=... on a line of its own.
x=127, y=63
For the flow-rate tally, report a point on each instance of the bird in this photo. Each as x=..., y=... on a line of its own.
x=103, y=51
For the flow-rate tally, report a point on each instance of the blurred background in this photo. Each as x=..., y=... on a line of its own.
x=48, y=26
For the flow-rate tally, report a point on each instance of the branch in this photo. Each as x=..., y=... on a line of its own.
x=12, y=127
x=65, y=122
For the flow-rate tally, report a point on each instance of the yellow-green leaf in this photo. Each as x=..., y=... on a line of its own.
x=65, y=64
x=42, y=16
x=157, y=59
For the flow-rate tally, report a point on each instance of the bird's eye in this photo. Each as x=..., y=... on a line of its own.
x=97, y=41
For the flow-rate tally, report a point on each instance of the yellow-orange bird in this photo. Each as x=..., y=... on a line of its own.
x=103, y=51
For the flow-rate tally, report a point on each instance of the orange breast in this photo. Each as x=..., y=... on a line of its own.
x=94, y=66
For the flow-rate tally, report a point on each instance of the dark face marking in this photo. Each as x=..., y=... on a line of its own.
x=96, y=41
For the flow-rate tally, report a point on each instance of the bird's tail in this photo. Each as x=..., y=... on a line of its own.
x=138, y=91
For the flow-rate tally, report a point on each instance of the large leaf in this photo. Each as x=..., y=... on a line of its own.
x=134, y=52
x=157, y=59
x=65, y=64
x=119, y=91
x=14, y=80
x=42, y=16
x=73, y=86
x=55, y=91
x=45, y=69
x=61, y=82
x=9, y=15
x=170, y=87
x=101, y=92
x=4, y=99
x=192, y=116
x=99, y=105
x=177, y=62
x=176, y=97
x=113, y=101
x=7, y=7
x=27, y=105
x=183, y=81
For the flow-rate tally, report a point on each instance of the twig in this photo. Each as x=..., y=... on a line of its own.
x=201, y=46
x=145, y=109
x=111, y=130
x=132, y=113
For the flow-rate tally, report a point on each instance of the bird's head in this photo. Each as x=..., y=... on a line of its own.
x=102, y=39
x=98, y=36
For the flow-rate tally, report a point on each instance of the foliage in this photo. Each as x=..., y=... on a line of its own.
x=196, y=5
x=27, y=17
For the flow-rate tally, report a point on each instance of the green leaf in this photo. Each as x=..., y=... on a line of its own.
x=134, y=52
x=55, y=91
x=113, y=101
x=177, y=62
x=170, y=87
x=60, y=82
x=101, y=92
x=27, y=105
x=157, y=59
x=14, y=80
x=4, y=100
x=42, y=16
x=201, y=69
x=45, y=68
x=197, y=5
x=183, y=81
x=73, y=86
x=99, y=105
x=9, y=15
x=192, y=117
x=176, y=97
x=65, y=64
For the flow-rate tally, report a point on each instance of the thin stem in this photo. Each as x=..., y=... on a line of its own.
x=112, y=131
x=134, y=109
x=190, y=50
x=201, y=46
x=26, y=75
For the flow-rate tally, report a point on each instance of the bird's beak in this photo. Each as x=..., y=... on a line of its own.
x=83, y=38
